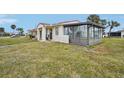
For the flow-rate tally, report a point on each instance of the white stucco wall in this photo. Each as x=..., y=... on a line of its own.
x=43, y=32
x=60, y=37
x=122, y=34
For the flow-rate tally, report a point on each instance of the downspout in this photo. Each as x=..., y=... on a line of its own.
x=87, y=34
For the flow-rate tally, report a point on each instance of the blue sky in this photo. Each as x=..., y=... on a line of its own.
x=30, y=21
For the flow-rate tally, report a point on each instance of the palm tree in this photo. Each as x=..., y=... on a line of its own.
x=103, y=22
x=112, y=24
x=20, y=30
x=13, y=27
x=96, y=19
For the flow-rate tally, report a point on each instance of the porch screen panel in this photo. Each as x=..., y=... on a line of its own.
x=91, y=33
x=83, y=29
x=96, y=33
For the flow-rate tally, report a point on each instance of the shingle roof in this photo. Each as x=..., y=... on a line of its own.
x=85, y=23
x=74, y=22
x=66, y=22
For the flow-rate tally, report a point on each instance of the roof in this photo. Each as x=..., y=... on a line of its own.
x=67, y=22
x=32, y=30
x=43, y=24
x=1, y=29
x=85, y=23
x=73, y=22
x=117, y=31
x=120, y=31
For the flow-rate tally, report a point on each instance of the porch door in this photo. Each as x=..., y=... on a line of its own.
x=71, y=35
x=74, y=35
x=40, y=35
x=77, y=37
x=50, y=34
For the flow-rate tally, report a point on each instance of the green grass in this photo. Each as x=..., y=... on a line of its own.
x=10, y=41
x=48, y=59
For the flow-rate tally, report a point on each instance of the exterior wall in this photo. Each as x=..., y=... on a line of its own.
x=122, y=34
x=38, y=34
x=1, y=33
x=43, y=33
x=34, y=33
x=60, y=37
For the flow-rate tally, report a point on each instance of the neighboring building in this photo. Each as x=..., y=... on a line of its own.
x=75, y=32
x=105, y=34
x=2, y=31
x=33, y=32
x=119, y=33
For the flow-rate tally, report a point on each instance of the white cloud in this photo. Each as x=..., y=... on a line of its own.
x=2, y=16
x=6, y=15
x=7, y=21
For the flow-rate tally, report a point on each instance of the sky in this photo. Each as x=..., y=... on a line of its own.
x=30, y=21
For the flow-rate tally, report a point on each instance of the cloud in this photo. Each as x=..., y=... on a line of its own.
x=2, y=16
x=7, y=21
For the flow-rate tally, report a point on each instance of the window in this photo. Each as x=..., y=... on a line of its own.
x=56, y=31
x=66, y=30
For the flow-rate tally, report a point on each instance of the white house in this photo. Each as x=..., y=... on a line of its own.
x=75, y=32
x=122, y=34
x=119, y=33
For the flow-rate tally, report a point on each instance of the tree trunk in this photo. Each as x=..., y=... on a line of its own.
x=109, y=34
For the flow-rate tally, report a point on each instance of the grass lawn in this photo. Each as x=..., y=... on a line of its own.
x=10, y=41
x=48, y=59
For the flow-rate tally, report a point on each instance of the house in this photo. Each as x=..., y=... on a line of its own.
x=75, y=32
x=104, y=34
x=33, y=32
x=2, y=31
x=119, y=33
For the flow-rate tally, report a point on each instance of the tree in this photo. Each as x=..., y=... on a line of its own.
x=112, y=24
x=94, y=18
x=13, y=26
x=20, y=30
x=104, y=22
